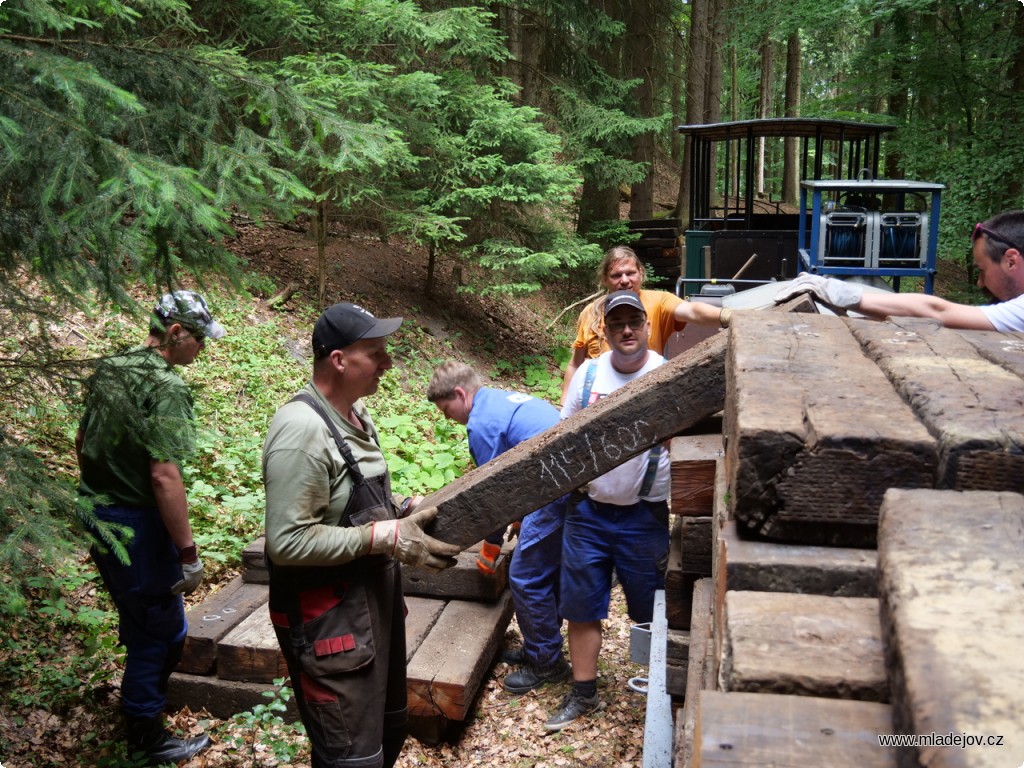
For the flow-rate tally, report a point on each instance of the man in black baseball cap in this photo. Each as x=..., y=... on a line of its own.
x=345, y=323
x=335, y=535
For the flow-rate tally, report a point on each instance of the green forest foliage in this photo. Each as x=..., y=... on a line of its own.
x=133, y=133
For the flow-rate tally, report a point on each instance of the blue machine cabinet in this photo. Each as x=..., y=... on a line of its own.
x=883, y=228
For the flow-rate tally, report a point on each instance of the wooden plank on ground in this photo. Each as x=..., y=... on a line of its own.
x=815, y=432
x=765, y=566
x=647, y=411
x=807, y=645
x=754, y=730
x=974, y=406
x=446, y=671
x=212, y=619
x=250, y=652
x=463, y=581
x=698, y=672
x=254, y=563
x=221, y=698
x=951, y=568
x=422, y=614
x=693, y=473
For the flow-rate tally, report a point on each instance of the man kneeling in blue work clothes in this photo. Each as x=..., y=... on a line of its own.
x=497, y=421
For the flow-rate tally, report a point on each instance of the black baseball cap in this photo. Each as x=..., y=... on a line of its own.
x=622, y=299
x=346, y=323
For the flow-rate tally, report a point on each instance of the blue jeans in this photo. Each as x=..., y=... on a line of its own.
x=533, y=579
x=598, y=537
x=151, y=621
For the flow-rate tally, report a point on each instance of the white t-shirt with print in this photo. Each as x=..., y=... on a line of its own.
x=621, y=485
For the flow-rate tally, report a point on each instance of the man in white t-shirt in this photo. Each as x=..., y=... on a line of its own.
x=620, y=522
x=998, y=248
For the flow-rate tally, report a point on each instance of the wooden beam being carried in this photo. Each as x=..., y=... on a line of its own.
x=645, y=412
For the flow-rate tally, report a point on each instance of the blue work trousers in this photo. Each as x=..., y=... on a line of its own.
x=151, y=620
x=598, y=537
x=534, y=580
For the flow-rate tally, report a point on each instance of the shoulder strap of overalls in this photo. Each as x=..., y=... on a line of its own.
x=588, y=382
x=346, y=452
x=655, y=453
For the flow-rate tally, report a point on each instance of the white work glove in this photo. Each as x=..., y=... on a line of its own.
x=192, y=577
x=828, y=290
x=406, y=540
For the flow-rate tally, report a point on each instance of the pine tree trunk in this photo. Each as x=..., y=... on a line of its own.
x=764, y=103
x=531, y=36
x=678, y=63
x=696, y=76
x=321, y=253
x=1012, y=116
x=597, y=203
x=640, y=48
x=790, y=166
x=898, y=90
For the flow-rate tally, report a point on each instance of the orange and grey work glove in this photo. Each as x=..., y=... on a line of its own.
x=513, y=530
x=405, y=540
x=487, y=558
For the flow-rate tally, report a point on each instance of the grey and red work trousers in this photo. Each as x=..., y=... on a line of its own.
x=344, y=642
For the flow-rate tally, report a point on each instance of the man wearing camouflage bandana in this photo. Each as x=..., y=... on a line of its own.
x=136, y=432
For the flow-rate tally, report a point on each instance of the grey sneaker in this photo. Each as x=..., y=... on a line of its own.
x=529, y=676
x=573, y=707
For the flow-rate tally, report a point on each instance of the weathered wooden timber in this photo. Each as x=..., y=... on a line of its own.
x=698, y=672
x=765, y=566
x=693, y=472
x=815, y=432
x=446, y=671
x=808, y=645
x=971, y=404
x=677, y=659
x=647, y=411
x=695, y=544
x=250, y=651
x=222, y=698
x=678, y=583
x=1005, y=349
x=951, y=568
x=209, y=622
x=754, y=730
x=254, y=562
x=461, y=658
x=463, y=581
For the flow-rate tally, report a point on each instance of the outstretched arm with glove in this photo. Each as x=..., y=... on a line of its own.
x=843, y=295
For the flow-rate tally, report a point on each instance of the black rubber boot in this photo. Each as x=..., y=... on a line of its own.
x=147, y=735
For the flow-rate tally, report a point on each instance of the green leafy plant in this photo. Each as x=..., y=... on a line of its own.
x=264, y=725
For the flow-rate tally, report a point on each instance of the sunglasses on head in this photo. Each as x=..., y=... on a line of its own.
x=991, y=235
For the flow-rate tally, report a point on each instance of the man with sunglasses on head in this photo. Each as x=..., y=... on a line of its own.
x=998, y=248
x=136, y=433
x=619, y=520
